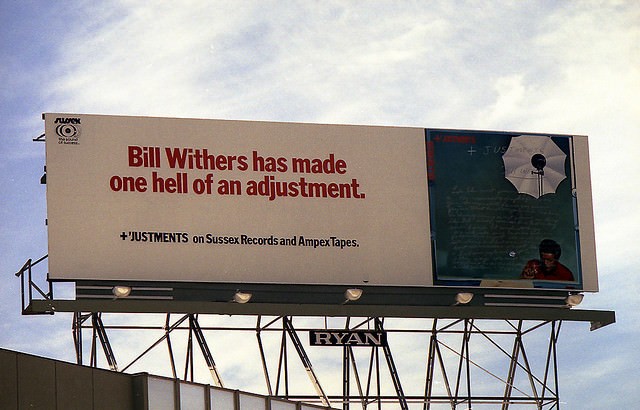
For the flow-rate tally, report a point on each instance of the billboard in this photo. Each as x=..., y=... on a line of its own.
x=220, y=201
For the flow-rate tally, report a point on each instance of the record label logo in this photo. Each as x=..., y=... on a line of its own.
x=68, y=130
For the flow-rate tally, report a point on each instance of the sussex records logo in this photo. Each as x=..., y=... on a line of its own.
x=68, y=130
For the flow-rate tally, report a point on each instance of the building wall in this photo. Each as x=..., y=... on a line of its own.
x=31, y=382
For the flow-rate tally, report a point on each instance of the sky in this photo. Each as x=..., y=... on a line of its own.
x=563, y=67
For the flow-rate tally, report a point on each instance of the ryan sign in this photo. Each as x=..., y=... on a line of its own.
x=347, y=338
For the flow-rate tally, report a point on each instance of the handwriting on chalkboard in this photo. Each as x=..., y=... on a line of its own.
x=488, y=227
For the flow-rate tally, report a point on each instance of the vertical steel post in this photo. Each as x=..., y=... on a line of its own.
x=77, y=335
x=555, y=365
x=345, y=372
x=167, y=330
x=265, y=369
x=467, y=336
x=402, y=401
x=345, y=377
x=428, y=386
x=188, y=361
x=463, y=362
x=512, y=370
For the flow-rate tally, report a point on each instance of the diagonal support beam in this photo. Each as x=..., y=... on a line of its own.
x=208, y=357
x=157, y=342
x=98, y=327
x=392, y=369
x=288, y=326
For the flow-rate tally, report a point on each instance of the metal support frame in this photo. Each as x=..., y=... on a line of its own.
x=543, y=392
x=27, y=286
x=402, y=401
x=99, y=330
x=453, y=374
x=194, y=327
x=293, y=335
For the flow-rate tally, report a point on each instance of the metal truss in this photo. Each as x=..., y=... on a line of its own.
x=543, y=392
x=469, y=358
x=455, y=375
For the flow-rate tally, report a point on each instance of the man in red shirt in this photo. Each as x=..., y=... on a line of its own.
x=548, y=267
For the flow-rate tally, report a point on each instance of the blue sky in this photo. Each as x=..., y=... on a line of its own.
x=538, y=66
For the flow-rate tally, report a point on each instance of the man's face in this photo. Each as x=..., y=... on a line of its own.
x=549, y=262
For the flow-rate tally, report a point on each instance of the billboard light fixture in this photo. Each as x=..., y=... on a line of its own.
x=574, y=299
x=352, y=294
x=120, y=291
x=463, y=298
x=242, y=297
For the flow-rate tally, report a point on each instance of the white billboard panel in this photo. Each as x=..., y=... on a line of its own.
x=230, y=201
x=193, y=200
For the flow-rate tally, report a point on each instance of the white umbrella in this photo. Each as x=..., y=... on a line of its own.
x=534, y=164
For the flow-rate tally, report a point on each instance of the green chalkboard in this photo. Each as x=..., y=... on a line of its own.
x=493, y=198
